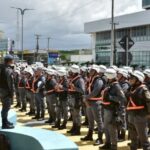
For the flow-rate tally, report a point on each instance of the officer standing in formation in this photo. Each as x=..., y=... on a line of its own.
x=94, y=111
x=114, y=98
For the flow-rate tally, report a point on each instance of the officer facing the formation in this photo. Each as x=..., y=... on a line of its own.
x=138, y=111
x=114, y=104
x=92, y=101
x=6, y=89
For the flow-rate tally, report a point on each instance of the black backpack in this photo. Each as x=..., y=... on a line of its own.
x=4, y=142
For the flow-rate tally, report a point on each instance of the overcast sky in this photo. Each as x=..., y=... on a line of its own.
x=63, y=20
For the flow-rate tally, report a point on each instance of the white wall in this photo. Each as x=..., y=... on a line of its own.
x=81, y=58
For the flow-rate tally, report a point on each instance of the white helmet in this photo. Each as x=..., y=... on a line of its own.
x=50, y=72
x=114, y=67
x=123, y=72
x=75, y=69
x=62, y=73
x=102, y=68
x=17, y=71
x=111, y=73
x=29, y=70
x=139, y=75
x=129, y=69
x=95, y=67
x=147, y=72
x=84, y=68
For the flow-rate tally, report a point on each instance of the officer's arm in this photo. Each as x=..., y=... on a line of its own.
x=81, y=86
x=54, y=83
x=146, y=95
x=66, y=85
x=43, y=80
x=125, y=87
x=96, y=90
x=119, y=96
x=10, y=82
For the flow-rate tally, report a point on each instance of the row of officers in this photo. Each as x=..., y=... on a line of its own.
x=116, y=99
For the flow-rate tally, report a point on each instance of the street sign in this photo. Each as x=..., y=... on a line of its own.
x=126, y=42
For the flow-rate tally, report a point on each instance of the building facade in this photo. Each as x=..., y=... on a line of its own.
x=146, y=4
x=136, y=26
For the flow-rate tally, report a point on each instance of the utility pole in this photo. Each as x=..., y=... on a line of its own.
x=48, y=43
x=37, y=46
x=115, y=47
x=112, y=35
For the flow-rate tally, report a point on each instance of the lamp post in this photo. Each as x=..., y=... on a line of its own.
x=22, y=11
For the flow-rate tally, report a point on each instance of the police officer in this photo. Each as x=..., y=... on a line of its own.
x=122, y=76
x=113, y=104
x=92, y=100
x=77, y=88
x=147, y=78
x=6, y=89
x=22, y=91
x=29, y=94
x=62, y=103
x=50, y=93
x=16, y=81
x=83, y=73
x=138, y=109
x=38, y=84
x=147, y=82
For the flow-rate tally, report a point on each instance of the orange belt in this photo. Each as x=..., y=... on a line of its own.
x=50, y=91
x=96, y=99
x=70, y=90
x=106, y=103
x=59, y=91
x=133, y=106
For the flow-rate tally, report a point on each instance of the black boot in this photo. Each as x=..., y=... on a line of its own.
x=86, y=122
x=121, y=136
x=89, y=136
x=63, y=126
x=17, y=105
x=23, y=109
x=99, y=141
x=57, y=124
x=49, y=120
x=70, y=118
x=10, y=123
x=106, y=146
x=113, y=147
x=32, y=113
x=42, y=117
x=36, y=117
x=76, y=131
x=28, y=113
x=6, y=124
x=72, y=129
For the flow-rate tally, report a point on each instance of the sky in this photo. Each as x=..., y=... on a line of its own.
x=62, y=20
